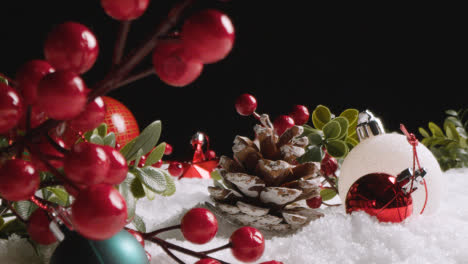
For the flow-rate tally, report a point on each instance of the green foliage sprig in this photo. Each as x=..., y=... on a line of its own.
x=449, y=145
x=337, y=135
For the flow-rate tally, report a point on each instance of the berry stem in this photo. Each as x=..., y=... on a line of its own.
x=10, y=206
x=156, y=232
x=330, y=181
x=124, y=28
x=330, y=204
x=174, y=257
x=228, y=245
x=136, y=77
x=57, y=146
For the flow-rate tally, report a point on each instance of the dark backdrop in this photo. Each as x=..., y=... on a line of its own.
x=405, y=63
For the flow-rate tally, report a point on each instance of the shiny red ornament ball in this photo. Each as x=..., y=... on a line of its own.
x=62, y=95
x=91, y=117
x=120, y=121
x=300, y=114
x=87, y=163
x=247, y=244
x=246, y=104
x=28, y=77
x=11, y=108
x=38, y=228
x=379, y=195
x=207, y=261
x=71, y=46
x=125, y=10
x=208, y=35
x=118, y=167
x=282, y=123
x=19, y=180
x=199, y=225
x=176, y=169
x=99, y=212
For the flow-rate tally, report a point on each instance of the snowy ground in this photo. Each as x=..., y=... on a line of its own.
x=335, y=238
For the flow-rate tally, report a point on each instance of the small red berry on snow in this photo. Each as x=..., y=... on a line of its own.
x=125, y=9
x=11, y=108
x=38, y=228
x=28, y=77
x=328, y=165
x=300, y=114
x=246, y=104
x=158, y=164
x=207, y=261
x=314, y=202
x=282, y=123
x=247, y=243
x=19, y=180
x=176, y=169
x=199, y=225
x=87, y=163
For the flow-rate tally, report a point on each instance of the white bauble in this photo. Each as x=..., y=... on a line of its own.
x=391, y=154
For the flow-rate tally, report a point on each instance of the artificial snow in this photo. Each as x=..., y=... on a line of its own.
x=335, y=238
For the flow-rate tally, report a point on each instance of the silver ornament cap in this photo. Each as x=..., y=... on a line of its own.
x=368, y=125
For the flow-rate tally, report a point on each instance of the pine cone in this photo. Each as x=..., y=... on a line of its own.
x=263, y=185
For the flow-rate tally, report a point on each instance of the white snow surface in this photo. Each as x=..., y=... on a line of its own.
x=335, y=238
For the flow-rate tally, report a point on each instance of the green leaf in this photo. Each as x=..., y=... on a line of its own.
x=309, y=130
x=96, y=139
x=315, y=139
x=3, y=142
x=137, y=189
x=138, y=157
x=88, y=135
x=170, y=185
x=451, y=112
x=150, y=195
x=60, y=193
x=14, y=226
x=58, y=201
x=125, y=191
x=344, y=124
x=156, y=155
x=337, y=148
x=332, y=130
x=435, y=129
x=454, y=120
x=314, y=153
x=321, y=116
x=126, y=149
x=351, y=141
x=139, y=224
x=424, y=132
x=215, y=175
x=3, y=80
x=451, y=132
x=351, y=115
x=102, y=130
x=146, y=140
x=109, y=139
x=327, y=194
x=25, y=208
x=152, y=178
x=1, y=222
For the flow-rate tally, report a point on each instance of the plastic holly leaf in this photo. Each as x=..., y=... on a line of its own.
x=310, y=130
x=344, y=124
x=435, y=129
x=125, y=191
x=451, y=132
x=332, y=130
x=14, y=226
x=451, y=112
x=137, y=189
x=215, y=175
x=321, y=116
x=61, y=194
x=24, y=208
x=156, y=155
x=102, y=130
x=170, y=185
x=1, y=221
x=351, y=115
x=139, y=224
x=146, y=140
x=150, y=195
x=126, y=149
x=454, y=120
x=3, y=80
x=351, y=141
x=314, y=153
x=315, y=139
x=109, y=140
x=327, y=194
x=96, y=139
x=337, y=148
x=424, y=132
x=152, y=178
x=138, y=157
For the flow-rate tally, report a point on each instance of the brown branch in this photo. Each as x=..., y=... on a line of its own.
x=136, y=77
x=330, y=204
x=228, y=245
x=156, y=232
x=174, y=257
x=120, y=43
x=10, y=206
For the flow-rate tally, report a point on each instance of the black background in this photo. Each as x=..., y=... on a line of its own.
x=405, y=63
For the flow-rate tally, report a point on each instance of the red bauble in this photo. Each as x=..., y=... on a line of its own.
x=28, y=77
x=124, y=9
x=11, y=108
x=199, y=225
x=46, y=148
x=174, y=65
x=246, y=104
x=176, y=169
x=71, y=46
x=62, y=95
x=207, y=261
x=99, y=212
x=300, y=114
x=282, y=123
x=314, y=202
x=87, y=163
x=19, y=180
x=120, y=121
x=91, y=117
x=208, y=35
x=118, y=166
x=38, y=228
x=379, y=195
x=247, y=243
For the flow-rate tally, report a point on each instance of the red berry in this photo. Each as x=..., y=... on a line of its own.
x=272, y=262
x=207, y=261
x=199, y=225
x=208, y=35
x=37, y=117
x=99, y=212
x=210, y=155
x=87, y=163
x=45, y=148
x=176, y=169
x=142, y=161
x=173, y=64
x=246, y=104
x=328, y=165
x=38, y=228
x=248, y=244
x=300, y=114
x=11, y=108
x=71, y=46
x=118, y=166
x=19, y=180
x=282, y=123
x=74, y=191
x=137, y=235
x=91, y=117
x=314, y=202
x=168, y=149
x=158, y=164
x=62, y=95
x=124, y=9
x=28, y=77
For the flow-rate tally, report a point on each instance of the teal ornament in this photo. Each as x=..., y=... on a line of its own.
x=122, y=248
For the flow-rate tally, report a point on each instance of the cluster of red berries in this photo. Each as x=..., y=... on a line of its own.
x=246, y=104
